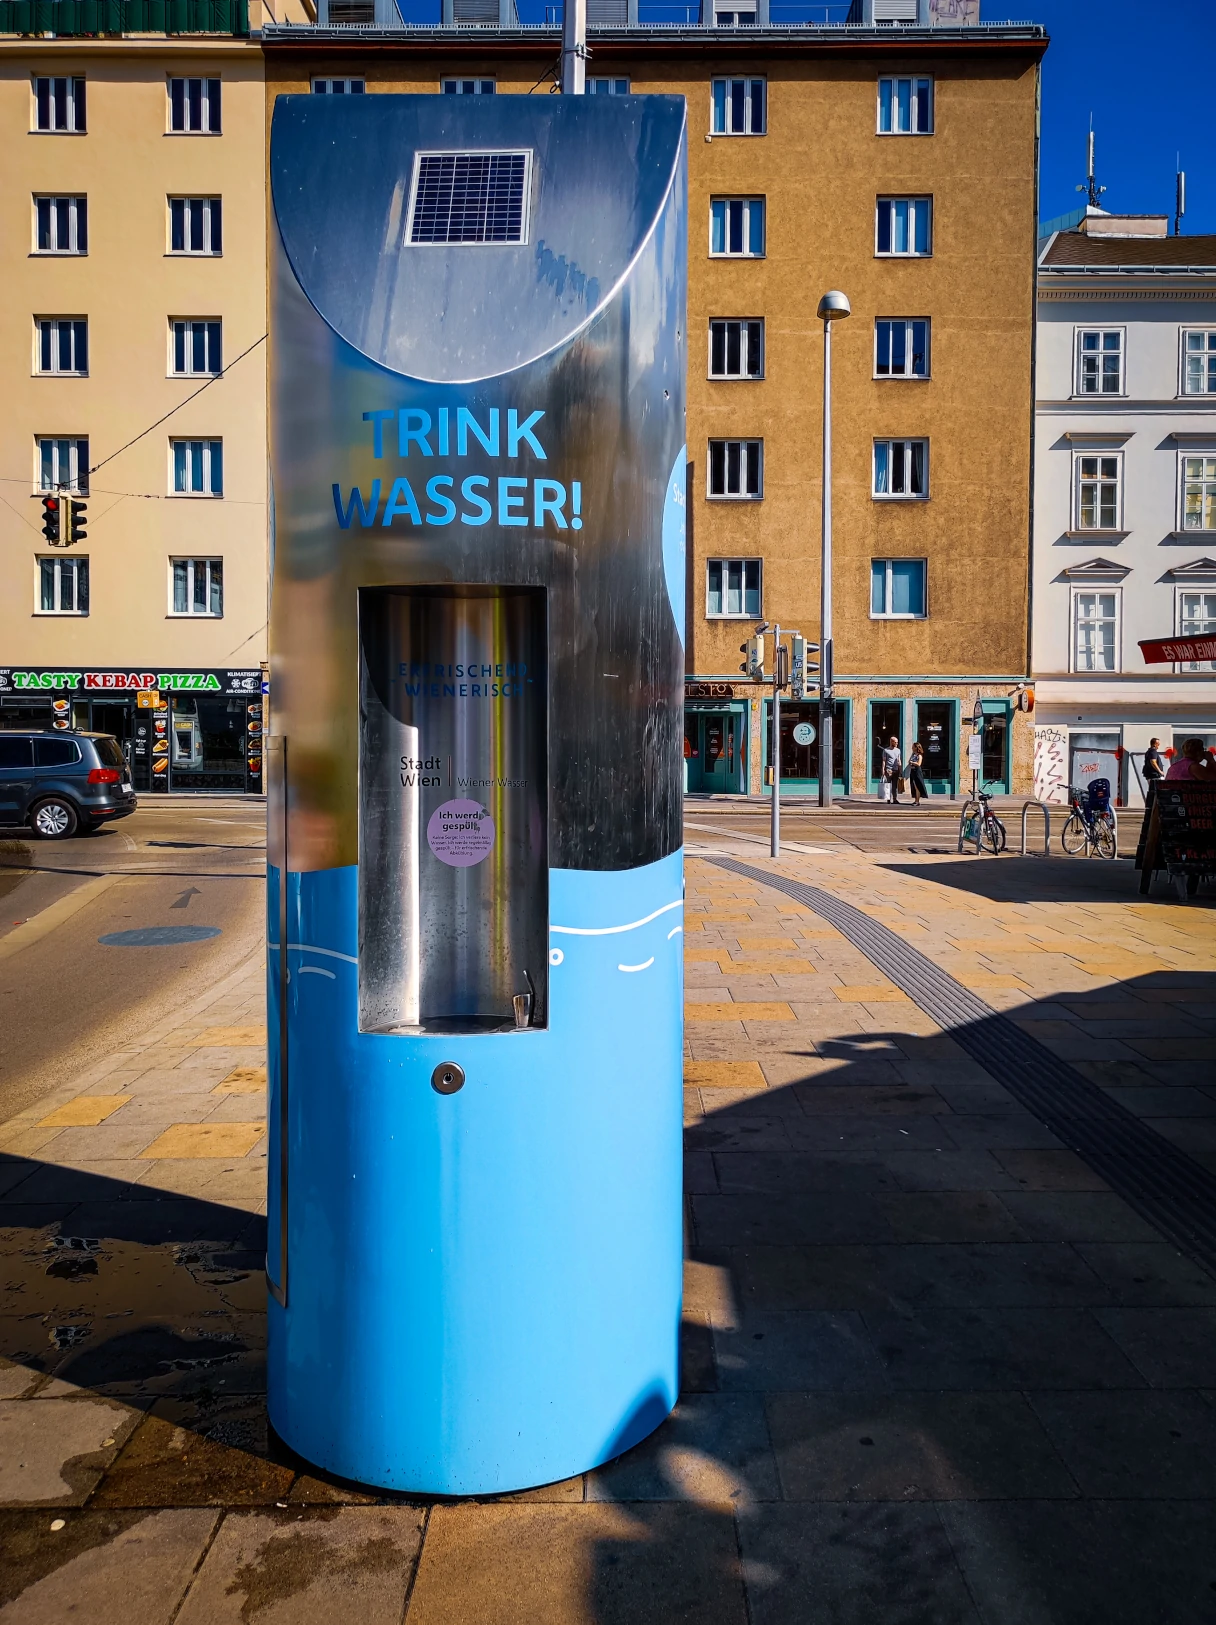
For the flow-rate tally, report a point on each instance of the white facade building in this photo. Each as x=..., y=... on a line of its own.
x=1124, y=497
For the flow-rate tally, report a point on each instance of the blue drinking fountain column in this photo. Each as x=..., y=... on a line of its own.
x=476, y=880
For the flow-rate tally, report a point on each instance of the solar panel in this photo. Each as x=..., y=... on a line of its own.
x=469, y=197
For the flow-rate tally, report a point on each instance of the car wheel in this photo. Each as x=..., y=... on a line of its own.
x=54, y=819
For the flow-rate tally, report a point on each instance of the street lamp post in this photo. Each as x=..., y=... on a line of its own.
x=834, y=306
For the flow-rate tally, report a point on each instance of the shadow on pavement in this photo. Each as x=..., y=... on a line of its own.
x=1057, y=879
x=935, y=1369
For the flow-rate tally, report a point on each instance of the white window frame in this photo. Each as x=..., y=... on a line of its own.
x=890, y=441
x=745, y=324
x=1081, y=394
x=1209, y=349
x=740, y=16
x=209, y=91
x=1078, y=590
x=608, y=84
x=906, y=377
x=740, y=495
x=325, y=87
x=189, y=323
x=192, y=563
x=722, y=98
x=78, y=214
x=916, y=202
x=209, y=213
x=1078, y=459
x=458, y=85
x=1207, y=624
x=206, y=447
x=744, y=565
x=888, y=576
x=912, y=80
x=1189, y=454
x=61, y=562
x=748, y=203
x=75, y=104
x=55, y=370
x=77, y=482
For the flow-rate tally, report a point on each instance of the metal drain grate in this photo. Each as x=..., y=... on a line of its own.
x=1164, y=1185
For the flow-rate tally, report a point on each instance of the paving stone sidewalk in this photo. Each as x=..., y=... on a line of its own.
x=934, y=1369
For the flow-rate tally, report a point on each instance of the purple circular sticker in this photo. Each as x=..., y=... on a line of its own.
x=460, y=833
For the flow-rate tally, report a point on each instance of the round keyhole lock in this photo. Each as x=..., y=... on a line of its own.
x=447, y=1078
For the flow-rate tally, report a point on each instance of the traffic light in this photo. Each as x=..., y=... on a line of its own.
x=50, y=519
x=73, y=521
x=753, y=652
x=801, y=671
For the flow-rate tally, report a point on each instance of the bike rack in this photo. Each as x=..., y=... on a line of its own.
x=969, y=805
x=1046, y=811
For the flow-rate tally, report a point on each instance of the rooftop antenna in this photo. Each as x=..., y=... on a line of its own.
x=1179, y=198
x=1091, y=188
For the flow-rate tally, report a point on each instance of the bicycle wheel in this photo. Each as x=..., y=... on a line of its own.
x=1104, y=839
x=1074, y=837
x=992, y=835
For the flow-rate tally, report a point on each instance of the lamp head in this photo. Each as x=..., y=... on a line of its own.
x=834, y=305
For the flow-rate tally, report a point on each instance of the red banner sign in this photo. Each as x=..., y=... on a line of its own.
x=1157, y=651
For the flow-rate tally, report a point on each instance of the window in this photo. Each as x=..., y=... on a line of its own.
x=736, y=469
x=197, y=586
x=1199, y=493
x=733, y=589
x=339, y=87
x=194, y=225
x=905, y=106
x=1100, y=362
x=468, y=87
x=734, y=19
x=195, y=348
x=736, y=227
x=198, y=467
x=901, y=347
x=1199, y=363
x=1095, y=619
x=59, y=105
x=470, y=197
x=897, y=589
x=63, y=465
x=63, y=586
x=736, y=348
x=607, y=87
x=1197, y=619
x=901, y=468
x=55, y=752
x=738, y=106
x=1098, y=493
x=904, y=226
x=194, y=106
x=61, y=225
x=63, y=345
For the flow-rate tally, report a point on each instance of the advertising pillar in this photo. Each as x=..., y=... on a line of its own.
x=475, y=776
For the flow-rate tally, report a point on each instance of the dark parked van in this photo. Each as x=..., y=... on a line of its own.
x=63, y=784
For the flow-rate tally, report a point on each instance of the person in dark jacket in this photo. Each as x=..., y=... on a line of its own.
x=1154, y=763
x=916, y=773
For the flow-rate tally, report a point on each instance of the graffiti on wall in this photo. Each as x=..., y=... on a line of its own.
x=1051, y=764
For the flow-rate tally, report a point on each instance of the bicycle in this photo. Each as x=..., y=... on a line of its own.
x=1090, y=826
x=985, y=828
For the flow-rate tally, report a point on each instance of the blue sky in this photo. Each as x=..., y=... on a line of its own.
x=1139, y=67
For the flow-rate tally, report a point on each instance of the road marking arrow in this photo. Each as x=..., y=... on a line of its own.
x=184, y=900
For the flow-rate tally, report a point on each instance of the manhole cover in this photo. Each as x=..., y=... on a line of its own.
x=158, y=936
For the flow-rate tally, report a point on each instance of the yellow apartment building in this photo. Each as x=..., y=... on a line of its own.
x=894, y=161
x=132, y=256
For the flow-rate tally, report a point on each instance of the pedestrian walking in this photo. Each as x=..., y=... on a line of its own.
x=1154, y=763
x=916, y=773
x=892, y=770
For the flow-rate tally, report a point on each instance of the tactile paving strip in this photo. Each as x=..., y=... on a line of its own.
x=1174, y=1193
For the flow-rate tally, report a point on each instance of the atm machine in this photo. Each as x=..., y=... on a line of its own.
x=477, y=362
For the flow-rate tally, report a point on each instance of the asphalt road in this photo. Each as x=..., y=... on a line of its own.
x=65, y=996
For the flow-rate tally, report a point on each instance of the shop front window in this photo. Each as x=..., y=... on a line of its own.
x=935, y=730
x=886, y=723
x=207, y=743
x=800, y=760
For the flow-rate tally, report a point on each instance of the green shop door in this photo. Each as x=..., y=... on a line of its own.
x=886, y=723
x=994, y=775
x=937, y=730
x=714, y=752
